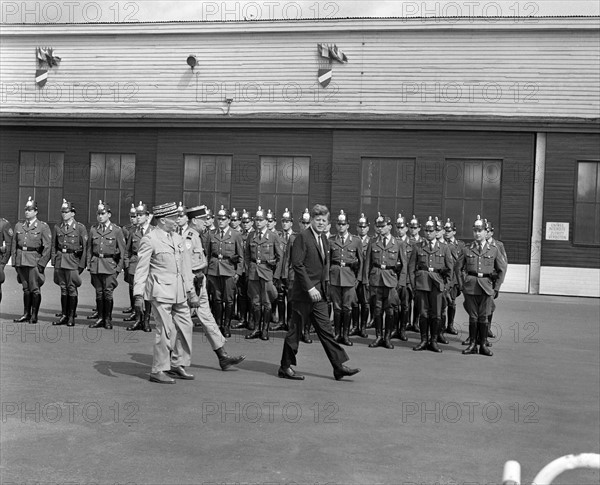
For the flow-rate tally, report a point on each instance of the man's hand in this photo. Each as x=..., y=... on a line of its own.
x=139, y=304
x=41, y=269
x=496, y=293
x=193, y=300
x=315, y=295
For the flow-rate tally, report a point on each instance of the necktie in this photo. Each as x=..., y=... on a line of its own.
x=321, y=247
x=260, y=235
x=432, y=245
x=385, y=242
x=222, y=233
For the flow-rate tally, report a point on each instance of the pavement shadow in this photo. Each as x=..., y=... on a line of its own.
x=116, y=369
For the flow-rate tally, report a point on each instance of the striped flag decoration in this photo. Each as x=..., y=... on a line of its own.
x=325, y=76
x=41, y=76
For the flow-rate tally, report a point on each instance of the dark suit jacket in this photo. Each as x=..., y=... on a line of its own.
x=310, y=270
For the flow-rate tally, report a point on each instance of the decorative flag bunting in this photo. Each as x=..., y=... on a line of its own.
x=325, y=76
x=327, y=53
x=41, y=76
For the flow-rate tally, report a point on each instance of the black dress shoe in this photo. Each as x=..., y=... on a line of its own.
x=288, y=373
x=467, y=341
x=441, y=339
x=483, y=350
x=344, y=371
x=378, y=342
x=421, y=346
x=227, y=361
x=161, y=378
x=490, y=333
x=451, y=330
x=129, y=310
x=306, y=339
x=281, y=326
x=488, y=343
x=180, y=373
x=130, y=318
x=433, y=346
x=471, y=349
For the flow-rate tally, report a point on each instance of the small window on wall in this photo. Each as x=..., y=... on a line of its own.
x=41, y=178
x=112, y=180
x=387, y=187
x=207, y=180
x=587, y=204
x=284, y=184
x=471, y=188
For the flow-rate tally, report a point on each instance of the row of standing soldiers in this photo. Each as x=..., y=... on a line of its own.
x=375, y=281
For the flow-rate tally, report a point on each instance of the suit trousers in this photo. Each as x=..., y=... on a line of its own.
x=211, y=329
x=317, y=314
x=173, y=341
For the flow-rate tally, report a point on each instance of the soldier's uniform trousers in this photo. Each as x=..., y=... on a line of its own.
x=104, y=284
x=68, y=280
x=478, y=308
x=173, y=341
x=211, y=329
x=262, y=293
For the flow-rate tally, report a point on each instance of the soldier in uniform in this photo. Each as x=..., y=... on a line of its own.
x=383, y=263
x=105, y=259
x=345, y=273
x=455, y=246
x=404, y=290
x=439, y=237
x=6, y=233
x=225, y=261
x=429, y=268
x=263, y=258
x=491, y=241
x=360, y=311
x=127, y=230
x=31, y=250
x=242, y=284
x=480, y=270
x=68, y=254
x=142, y=227
x=235, y=221
x=414, y=227
x=283, y=303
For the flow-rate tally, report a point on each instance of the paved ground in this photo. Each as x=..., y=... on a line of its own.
x=77, y=406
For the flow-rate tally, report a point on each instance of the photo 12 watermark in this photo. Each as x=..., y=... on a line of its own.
x=269, y=412
x=48, y=333
x=57, y=12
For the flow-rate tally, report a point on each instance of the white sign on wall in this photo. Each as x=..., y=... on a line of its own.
x=557, y=231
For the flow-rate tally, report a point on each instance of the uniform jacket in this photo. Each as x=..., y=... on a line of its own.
x=346, y=261
x=392, y=257
x=287, y=272
x=105, y=249
x=311, y=270
x=164, y=270
x=429, y=269
x=267, y=250
x=193, y=243
x=488, y=263
x=133, y=246
x=69, y=245
x=455, y=248
x=221, y=251
x=6, y=236
x=37, y=236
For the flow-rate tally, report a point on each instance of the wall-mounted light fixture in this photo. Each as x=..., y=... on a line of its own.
x=192, y=61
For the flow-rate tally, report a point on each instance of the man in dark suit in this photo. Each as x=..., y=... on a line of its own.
x=309, y=294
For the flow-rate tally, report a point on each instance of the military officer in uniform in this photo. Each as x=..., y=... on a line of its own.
x=242, y=284
x=360, y=311
x=164, y=277
x=455, y=246
x=345, y=273
x=235, y=221
x=404, y=290
x=429, y=268
x=6, y=234
x=105, y=258
x=263, y=258
x=282, y=301
x=30, y=251
x=141, y=320
x=491, y=241
x=127, y=230
x=414, y=227
x=384, y=261
x=225, y=261
x=480, y=270
x=68, y=255
x=439, y=237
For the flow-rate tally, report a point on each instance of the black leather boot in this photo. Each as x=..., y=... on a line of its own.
x=378, y=342
x=243, y=312
x=337, y=326
x=440, y=332
x=257, y=319
x=227, y=321
x=423, y=331
x=273, y=312
x=64, y=316
x=355, y=324
x=138, y=318
x=226, y=360
x=490, y=334
x=108, y=308
x=218, y=314
x=472, y=347
x=306, y=334
x=390, y=321
x=72, y=310
x=482, y=327
x=100, y=312
x=264, y=333
x=26, y=317
x=282, y=325
x=451, y=313
x=434, y=332
x=147, y=315
x=403, y=321
x=344, y=340
x=36, y=301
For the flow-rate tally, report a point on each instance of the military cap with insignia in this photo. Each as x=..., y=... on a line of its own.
x=449, y=225
x=235, y=215
x=414, y=222
x=141, y=208
x=488, y=225
x=103, y=208
x=181, y=209
x=31, y=204
x=67, y=206
x=287, y=216
x=169, y=209
x=223, y=213
x=270, y=217
x=305, y=217
x=438, y=224
x=382, y=220
x=197, y=211
x=132, y=211
x=342, y=218
x=260, y=213
x=430, y=224
x=400, y=221
x=246, y=217
x=363, y=221
x=479, y=223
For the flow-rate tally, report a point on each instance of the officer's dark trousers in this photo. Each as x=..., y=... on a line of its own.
x=478, y=307
x=303, y=313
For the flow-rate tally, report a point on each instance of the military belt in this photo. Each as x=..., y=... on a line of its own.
x=70, y=251
x=384, y=266
x=479, y=275
x=25, y=248
x=98, y=255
